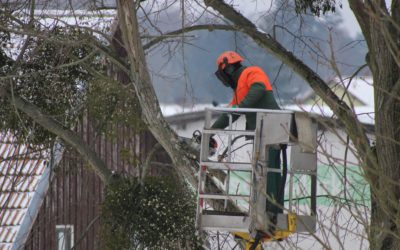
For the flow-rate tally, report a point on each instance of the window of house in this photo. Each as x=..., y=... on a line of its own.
x=64, y=237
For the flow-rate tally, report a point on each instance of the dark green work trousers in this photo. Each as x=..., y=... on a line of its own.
x=274, y=203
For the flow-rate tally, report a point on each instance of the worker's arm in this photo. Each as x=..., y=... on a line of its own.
x=256, y=92
x=223, y=121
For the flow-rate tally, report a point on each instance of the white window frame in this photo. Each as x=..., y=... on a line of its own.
x=64, y=229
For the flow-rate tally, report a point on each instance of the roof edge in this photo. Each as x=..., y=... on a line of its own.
x=200, y=115
x=37, y=199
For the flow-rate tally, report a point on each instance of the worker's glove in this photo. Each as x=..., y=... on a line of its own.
x=212, y=146
x=212, y=143
x=196, y=136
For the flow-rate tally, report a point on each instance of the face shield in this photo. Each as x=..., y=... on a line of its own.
x=223, y=77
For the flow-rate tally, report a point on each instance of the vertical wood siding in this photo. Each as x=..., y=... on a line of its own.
x=76, y=193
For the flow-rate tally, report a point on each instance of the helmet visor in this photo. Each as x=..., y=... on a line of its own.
x=223, y=77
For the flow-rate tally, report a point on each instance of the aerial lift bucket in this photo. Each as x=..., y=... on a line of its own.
x=247, y=215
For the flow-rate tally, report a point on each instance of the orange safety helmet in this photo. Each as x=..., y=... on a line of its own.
x=228, y=57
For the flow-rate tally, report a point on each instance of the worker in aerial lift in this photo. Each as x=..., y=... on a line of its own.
x=251, y=89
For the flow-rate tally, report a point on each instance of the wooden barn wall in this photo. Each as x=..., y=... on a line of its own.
x=75, y=192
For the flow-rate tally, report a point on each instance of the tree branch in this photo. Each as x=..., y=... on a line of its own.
x=65, y=134
x=209, y=27
x=396, y=12
x=361, y=14
x=180, y=152
x=353, y=127
x=141, y=81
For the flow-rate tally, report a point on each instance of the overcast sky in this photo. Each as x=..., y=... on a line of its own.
x=254, y=9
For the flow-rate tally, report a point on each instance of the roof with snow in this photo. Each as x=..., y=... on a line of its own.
x=176, y=114
x=99, y=22
x=357, y=91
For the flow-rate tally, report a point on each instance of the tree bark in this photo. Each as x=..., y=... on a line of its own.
x=141, y=81
x=179, y=151
x=385, y=228
x=208, y=27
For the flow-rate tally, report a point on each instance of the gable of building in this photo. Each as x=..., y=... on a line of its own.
x=357, y=92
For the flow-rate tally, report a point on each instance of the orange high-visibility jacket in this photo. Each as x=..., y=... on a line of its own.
x=248, y=77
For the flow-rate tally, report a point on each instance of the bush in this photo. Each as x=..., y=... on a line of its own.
x=49, y=77
x=159, y=215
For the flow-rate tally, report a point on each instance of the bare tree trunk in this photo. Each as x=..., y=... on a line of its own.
x=380, y=29
x=385, y=225
x=140, y=78
x=176, y=149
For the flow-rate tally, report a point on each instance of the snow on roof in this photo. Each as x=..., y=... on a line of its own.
x=365, y=114
x=96, y=21
x=175, y=109
x=21, y=172
x=359, y=87
x=362, y=88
